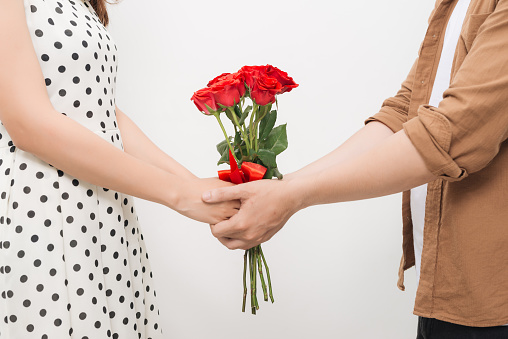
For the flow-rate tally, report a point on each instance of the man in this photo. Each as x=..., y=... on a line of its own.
x=446, y=128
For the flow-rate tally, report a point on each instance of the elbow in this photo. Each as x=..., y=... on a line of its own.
x=28, y=127
x=20, y=135
x=20, y=141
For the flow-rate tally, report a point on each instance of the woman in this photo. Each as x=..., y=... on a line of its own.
x=72, y=258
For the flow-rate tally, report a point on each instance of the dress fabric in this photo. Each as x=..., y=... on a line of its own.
x=73, y=262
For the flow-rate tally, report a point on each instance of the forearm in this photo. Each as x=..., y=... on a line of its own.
x=35, y=126
x=362, y=141
x=137, y=144
x=394, y=165
x=75, y=150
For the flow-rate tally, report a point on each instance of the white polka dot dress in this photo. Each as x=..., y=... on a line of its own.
x=73, y=263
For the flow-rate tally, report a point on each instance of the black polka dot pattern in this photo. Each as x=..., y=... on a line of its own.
x=73, y=262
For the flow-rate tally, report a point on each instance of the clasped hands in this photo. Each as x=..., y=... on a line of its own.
x=265, y=206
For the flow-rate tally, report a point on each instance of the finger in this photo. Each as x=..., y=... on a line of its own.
x=235, y=242
x=236, y=204
x=228, y=214
x=227, y=210
x=229, y=228
x=221, y=238
x=222, y=229
x=232, y=244
x=222, y=194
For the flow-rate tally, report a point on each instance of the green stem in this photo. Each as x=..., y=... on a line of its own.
x=256, y=128
x=226, y=135
x=256, y=148
x=239, y=146
x=241, y=130
x=263, y=114
x=261, y=277
x=252, y=301
x=255, y=256
x=267, y=274
x=253, y=137
x=244, y=281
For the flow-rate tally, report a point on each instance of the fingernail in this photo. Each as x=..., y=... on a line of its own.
x=207, y=196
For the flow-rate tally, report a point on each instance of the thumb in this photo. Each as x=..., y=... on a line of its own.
x=222, y=194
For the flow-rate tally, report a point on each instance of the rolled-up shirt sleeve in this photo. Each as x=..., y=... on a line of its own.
x=394, y=111
x=465, y=132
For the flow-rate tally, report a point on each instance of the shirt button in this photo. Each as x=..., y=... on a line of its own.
x=423, y=82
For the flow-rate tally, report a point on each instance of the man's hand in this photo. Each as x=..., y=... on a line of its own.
x=388, y=166
x=266, y=206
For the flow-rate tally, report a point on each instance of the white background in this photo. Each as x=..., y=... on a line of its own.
x=334, y=267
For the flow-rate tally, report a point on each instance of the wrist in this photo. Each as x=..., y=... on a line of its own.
x=187, y=175
x=296, y=195
x=173, y=195
x=290, y=176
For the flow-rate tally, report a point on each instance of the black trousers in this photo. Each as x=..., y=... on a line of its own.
x=437, y=329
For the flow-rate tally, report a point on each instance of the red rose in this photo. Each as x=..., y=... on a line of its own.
x=216, y=79
x=225, y=93
x=285, y=80
x=203, y=98
x=264, y=90
x=250, y=74
x=240, y=78
x=228, y=89
x=253, y=69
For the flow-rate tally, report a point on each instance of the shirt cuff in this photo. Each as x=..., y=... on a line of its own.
x=389, y=120
x=430, y=133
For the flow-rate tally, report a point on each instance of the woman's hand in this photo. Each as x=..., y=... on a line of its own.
x=191, y=205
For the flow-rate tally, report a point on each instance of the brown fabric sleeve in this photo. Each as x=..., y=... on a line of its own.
x=394, y=111
x=465, y=132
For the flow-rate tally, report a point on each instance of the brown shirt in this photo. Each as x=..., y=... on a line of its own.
x=464, y=267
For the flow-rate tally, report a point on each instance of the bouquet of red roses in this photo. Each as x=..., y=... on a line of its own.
x=251, y=152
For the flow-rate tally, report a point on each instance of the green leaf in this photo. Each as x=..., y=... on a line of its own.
x=245, y=114
x=229, y=115
x=238, y=139
x=267, y=157
x=273, y=173
x=222, y=147
x=266, y=125
x=241, y=153
x=277, y=140
x=224, y=159
x=268, y=174
x=237, y=111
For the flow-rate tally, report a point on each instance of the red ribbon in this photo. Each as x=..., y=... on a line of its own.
x=249, y=171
